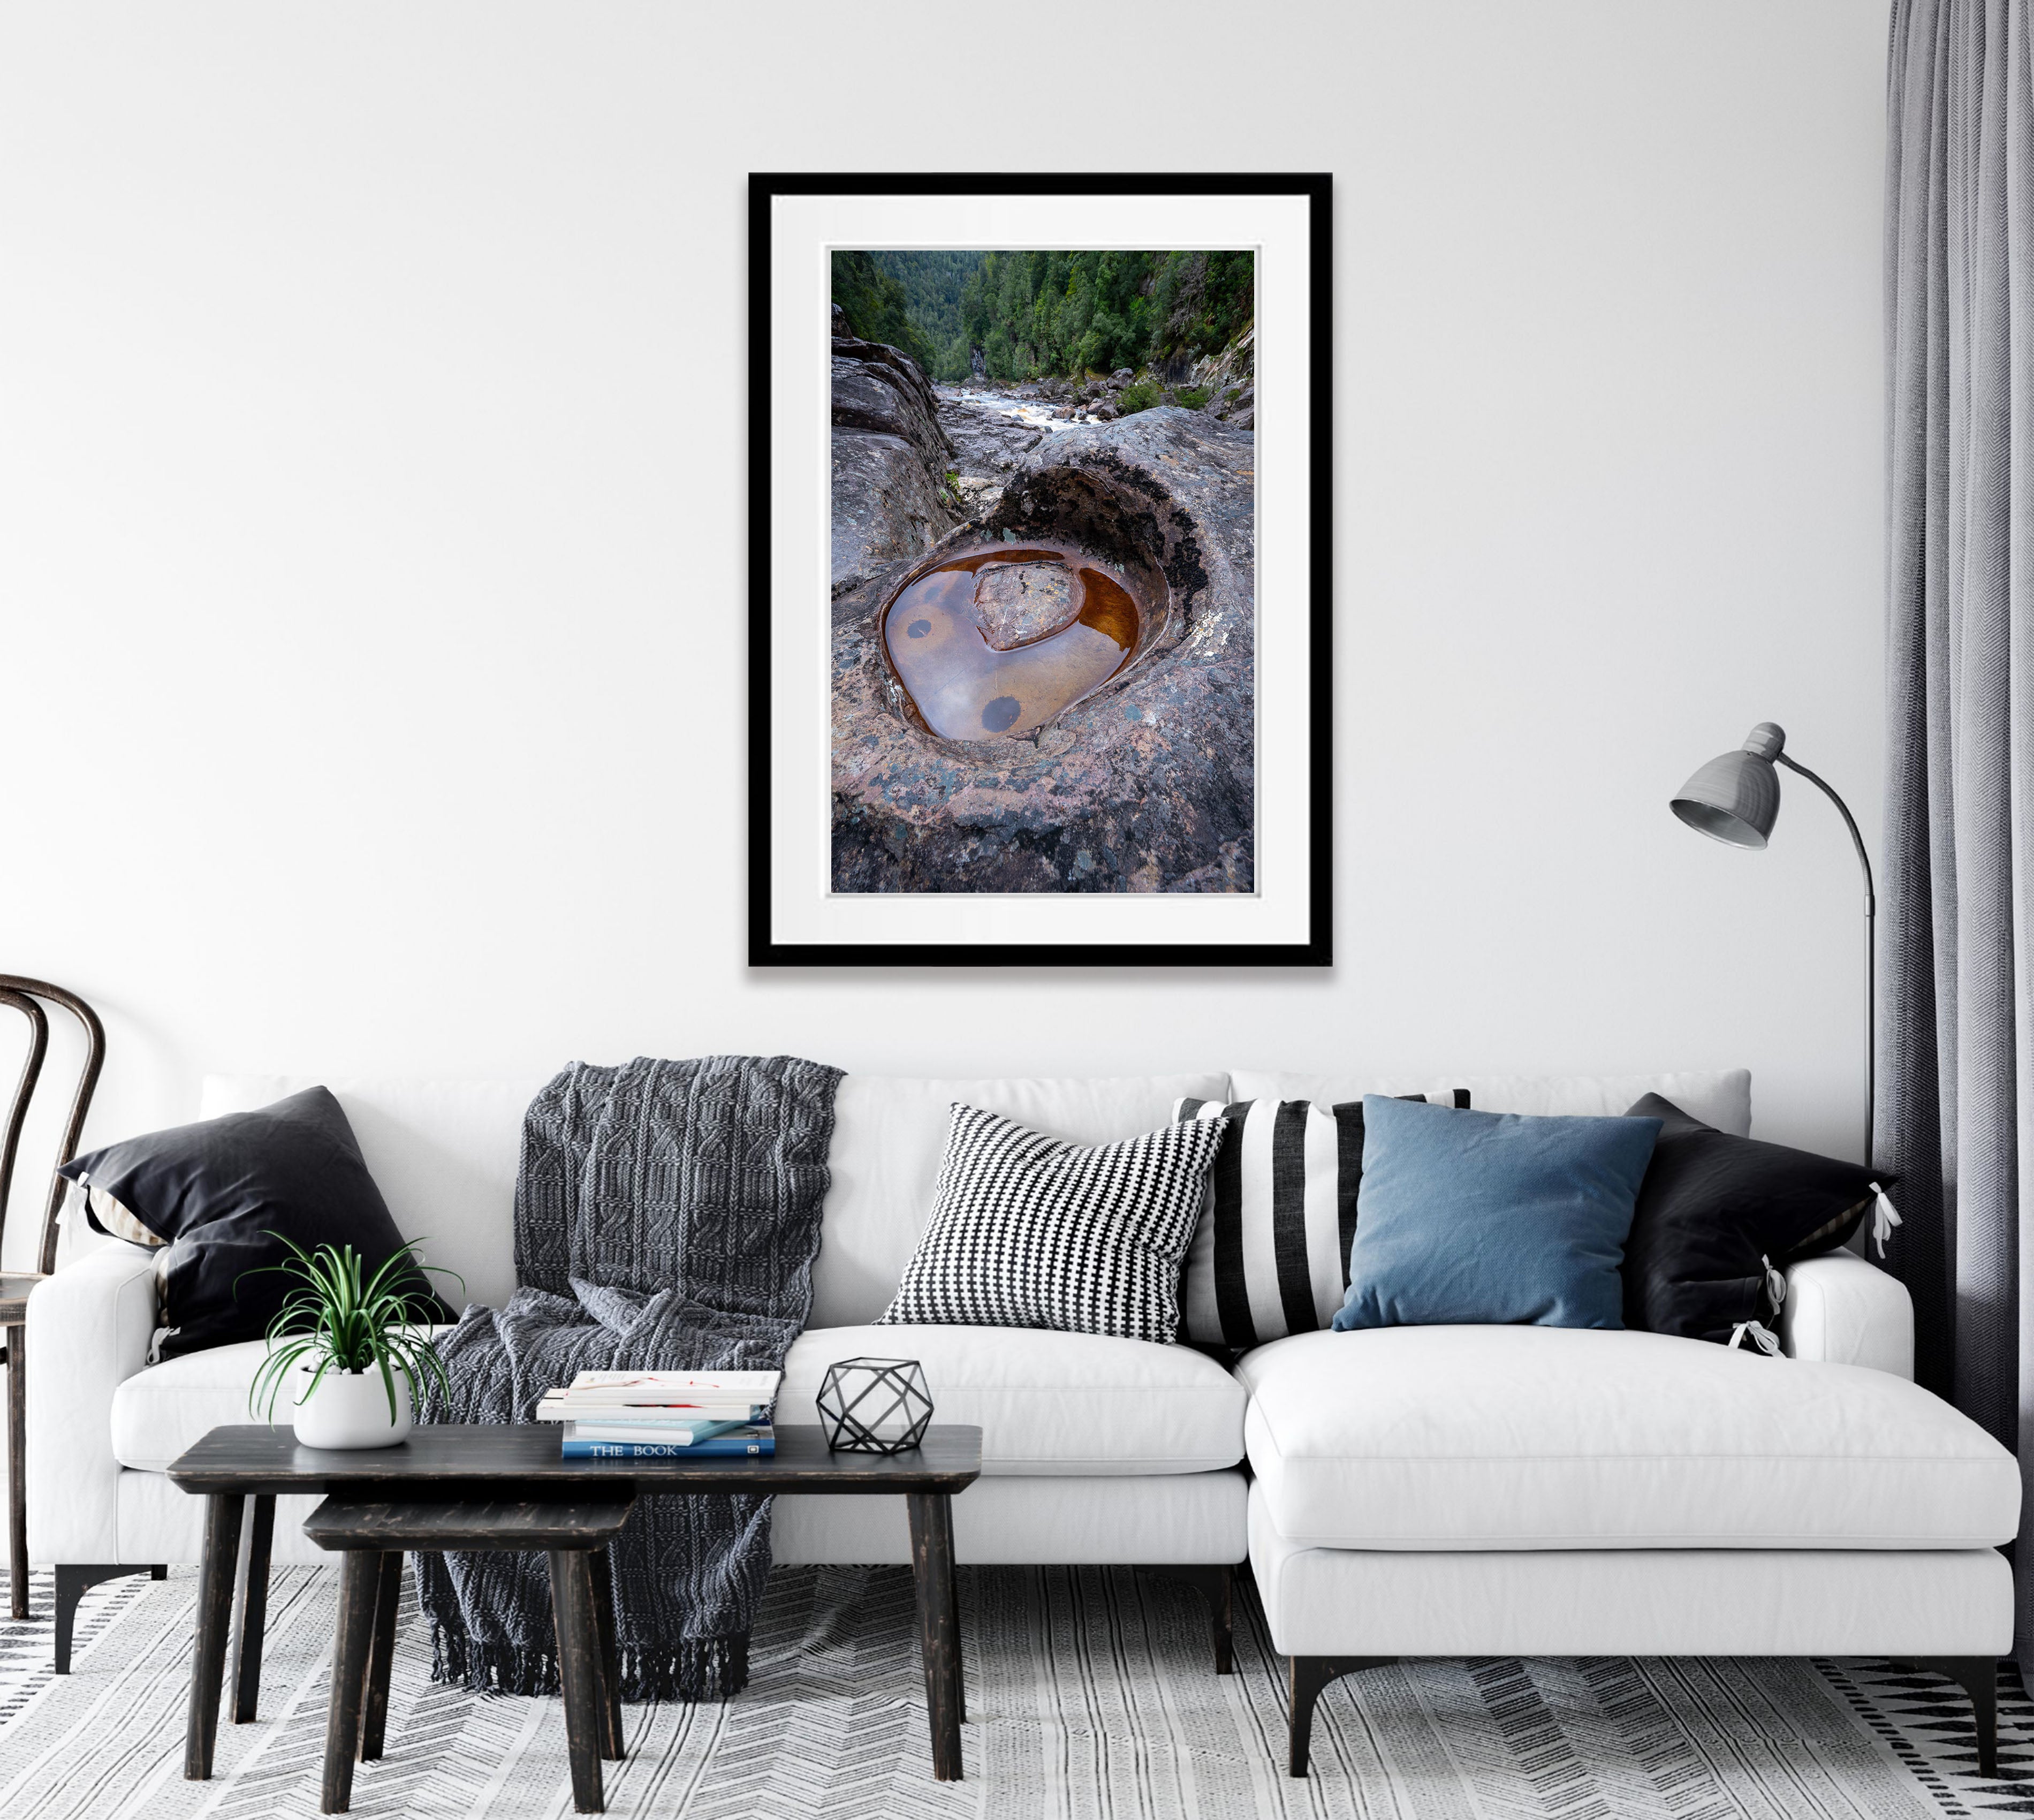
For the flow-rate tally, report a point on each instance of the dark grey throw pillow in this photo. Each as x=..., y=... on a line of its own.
x=220, y=1191
x=1718, y=1216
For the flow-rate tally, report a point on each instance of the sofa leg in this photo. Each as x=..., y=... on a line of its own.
x=1217, y=1584
x=1978, y=1677
x=1308, y=1676
x=73, y=1582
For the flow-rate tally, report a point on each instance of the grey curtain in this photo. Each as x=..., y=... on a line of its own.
x=1956, y=1109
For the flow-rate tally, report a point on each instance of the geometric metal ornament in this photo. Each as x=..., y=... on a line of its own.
x=875, y=1405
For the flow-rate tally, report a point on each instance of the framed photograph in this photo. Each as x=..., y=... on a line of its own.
x=1040, y=570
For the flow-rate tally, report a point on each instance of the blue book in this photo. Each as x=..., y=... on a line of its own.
x=721, y=1446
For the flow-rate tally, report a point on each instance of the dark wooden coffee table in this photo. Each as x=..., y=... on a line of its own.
x=461, y=1461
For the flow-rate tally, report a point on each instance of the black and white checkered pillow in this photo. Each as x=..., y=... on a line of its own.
x=1270, y=1256
x=1029, y=1231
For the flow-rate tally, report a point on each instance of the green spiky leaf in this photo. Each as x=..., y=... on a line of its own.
x=335, y=1317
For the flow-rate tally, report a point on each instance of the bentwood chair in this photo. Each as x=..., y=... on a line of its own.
x=24, y=996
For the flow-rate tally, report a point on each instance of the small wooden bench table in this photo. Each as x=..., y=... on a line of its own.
x=457, y=1467
x=373, y=1538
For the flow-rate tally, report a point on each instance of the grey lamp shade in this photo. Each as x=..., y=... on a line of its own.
x=1736, y=797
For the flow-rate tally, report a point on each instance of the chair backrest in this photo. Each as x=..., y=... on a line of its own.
x=23, y=995
x=24, y=1090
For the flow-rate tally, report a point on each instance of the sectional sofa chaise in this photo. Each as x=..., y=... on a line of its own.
x=1400, y=1492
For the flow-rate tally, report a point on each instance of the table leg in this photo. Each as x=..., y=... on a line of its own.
x=953, y=1599
x=254, y=1613
x=387, y=1597
x=17, y=1470
x=610, y=1653
x=939, y=1625
x=359, y=1575
x=215, y=1619
x=579, y=1669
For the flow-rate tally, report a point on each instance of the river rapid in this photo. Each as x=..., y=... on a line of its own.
x=1034, y=413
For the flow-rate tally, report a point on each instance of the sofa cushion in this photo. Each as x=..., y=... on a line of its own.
x=1053, y=1405
x=159, y=1413
x=1048, y=1404
x=1575, y=1438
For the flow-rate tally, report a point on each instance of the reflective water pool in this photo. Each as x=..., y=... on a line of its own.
x=999, y=640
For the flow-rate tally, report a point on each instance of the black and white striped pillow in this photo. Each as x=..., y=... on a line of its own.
x=1029, y=1231
x=1270, y=1254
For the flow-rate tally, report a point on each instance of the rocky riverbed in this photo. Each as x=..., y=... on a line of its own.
x=1148, y=784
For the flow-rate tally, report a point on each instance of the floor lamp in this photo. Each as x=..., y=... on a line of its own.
x=1735, y=799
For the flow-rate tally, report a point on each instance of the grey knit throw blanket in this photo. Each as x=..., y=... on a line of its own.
x=667, y=1214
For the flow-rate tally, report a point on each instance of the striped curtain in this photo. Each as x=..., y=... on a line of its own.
x=1956, y=1108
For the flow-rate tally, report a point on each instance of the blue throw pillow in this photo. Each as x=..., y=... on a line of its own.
x=1480, y=1219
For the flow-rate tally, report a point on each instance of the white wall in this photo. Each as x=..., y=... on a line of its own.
x=372, y=576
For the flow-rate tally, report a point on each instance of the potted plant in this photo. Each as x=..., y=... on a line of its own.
x=350, y=1351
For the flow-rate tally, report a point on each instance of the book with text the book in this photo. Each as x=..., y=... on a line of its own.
x=749, y=1445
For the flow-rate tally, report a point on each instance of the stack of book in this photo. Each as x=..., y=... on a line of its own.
x=664, y=1415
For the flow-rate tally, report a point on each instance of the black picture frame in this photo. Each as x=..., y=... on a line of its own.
x=1316, y=949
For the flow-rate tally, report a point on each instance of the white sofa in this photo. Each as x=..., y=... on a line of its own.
x=1546, y=1491
x=1095, y=1450
x=1441, y=1491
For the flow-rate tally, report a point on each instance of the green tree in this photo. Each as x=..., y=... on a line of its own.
x=1002, y=353
x=955, y=366
x=974, y=309
x=876, y=306
x=1042, y=311
x=1013, y=302
x=1098, y=346
x=933, y=282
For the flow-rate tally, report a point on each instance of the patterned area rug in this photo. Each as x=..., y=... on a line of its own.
x=1090, y=1695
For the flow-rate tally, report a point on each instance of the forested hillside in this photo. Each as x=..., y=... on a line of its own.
x=877, y=305
x=1038, y=314
x=932, y=284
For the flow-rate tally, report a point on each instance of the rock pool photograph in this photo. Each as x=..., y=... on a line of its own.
x=1043, y=554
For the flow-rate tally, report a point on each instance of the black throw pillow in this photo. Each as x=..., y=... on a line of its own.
x=1715, y=1211
x=219, y=1190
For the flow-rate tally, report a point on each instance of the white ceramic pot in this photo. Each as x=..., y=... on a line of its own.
x=348, y=1409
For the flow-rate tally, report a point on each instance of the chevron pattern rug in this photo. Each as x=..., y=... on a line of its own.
x=1089, y=1696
